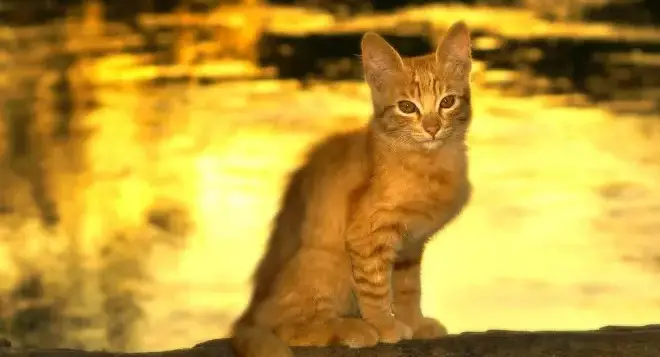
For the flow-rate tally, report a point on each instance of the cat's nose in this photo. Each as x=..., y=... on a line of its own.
x=431, y=128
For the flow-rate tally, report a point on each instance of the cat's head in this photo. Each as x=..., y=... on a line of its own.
x=420, y=101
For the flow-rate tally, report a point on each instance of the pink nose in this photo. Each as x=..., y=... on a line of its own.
x=431, y=129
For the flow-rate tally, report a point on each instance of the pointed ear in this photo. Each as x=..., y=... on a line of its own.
x=380, y=60
x=455, y=48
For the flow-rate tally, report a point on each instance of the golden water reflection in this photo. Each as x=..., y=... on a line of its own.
x=561, y=233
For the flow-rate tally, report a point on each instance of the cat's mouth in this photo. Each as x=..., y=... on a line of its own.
x=438, y=139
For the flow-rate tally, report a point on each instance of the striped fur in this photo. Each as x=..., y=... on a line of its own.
x=342, y=265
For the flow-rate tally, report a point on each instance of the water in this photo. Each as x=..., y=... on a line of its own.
x=163, y=222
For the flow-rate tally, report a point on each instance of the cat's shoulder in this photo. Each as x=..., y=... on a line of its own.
x=342, y=144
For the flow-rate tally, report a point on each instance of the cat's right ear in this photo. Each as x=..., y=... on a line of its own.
x=379, y=60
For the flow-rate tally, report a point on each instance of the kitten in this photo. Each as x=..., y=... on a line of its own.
x=342, y=264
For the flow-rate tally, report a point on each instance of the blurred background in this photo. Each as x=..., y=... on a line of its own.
x=144, y=146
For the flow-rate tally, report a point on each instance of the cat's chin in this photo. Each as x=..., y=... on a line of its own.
x=432, y=144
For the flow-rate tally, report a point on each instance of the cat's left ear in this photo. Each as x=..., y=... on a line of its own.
x=455, y=49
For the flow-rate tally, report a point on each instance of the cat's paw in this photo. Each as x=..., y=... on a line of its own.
x=391, y=330
x=429, y=328
x=356, y=333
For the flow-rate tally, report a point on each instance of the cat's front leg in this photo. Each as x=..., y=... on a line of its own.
x=406, y=283
x=373, y=245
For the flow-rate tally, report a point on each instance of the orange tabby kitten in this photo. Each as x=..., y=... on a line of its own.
x=343, y=262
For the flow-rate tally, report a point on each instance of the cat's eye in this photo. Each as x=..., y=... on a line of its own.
x=447, y=102
x=407, y=107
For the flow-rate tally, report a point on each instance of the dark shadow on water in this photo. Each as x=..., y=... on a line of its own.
x=585, y=64
x=122, y=270
x=29, y=317
x=63, y=305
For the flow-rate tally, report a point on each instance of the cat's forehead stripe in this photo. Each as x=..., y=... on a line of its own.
x=424, y=81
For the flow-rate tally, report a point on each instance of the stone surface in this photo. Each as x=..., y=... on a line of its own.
x=627, y=342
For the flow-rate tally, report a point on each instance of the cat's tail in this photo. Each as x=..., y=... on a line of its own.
x=254, y=341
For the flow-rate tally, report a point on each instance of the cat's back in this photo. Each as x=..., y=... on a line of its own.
x=333, y=168
x=345, y=153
